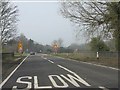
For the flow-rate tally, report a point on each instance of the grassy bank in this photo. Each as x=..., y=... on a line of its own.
x=9, y=64
x=103, y=60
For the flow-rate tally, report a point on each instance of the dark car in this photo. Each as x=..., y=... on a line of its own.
x=32, y=53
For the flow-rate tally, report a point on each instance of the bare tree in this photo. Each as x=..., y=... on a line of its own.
x=94, y=18
x=57, y=45
x=8, y=20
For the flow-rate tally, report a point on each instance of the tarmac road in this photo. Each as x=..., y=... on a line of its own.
x=42, y=71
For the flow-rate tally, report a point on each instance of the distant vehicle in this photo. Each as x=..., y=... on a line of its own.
x=32, y=53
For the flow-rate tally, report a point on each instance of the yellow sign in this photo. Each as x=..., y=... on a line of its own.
x=20, y=47
x=55, y=46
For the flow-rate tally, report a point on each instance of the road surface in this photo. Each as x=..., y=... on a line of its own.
x=41, y=71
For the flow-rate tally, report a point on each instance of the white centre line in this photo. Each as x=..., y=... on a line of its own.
x=50, y=61
x=66, y=69
x=12, y=73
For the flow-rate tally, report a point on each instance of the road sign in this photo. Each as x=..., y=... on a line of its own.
x=20, y=47
x=55, y=47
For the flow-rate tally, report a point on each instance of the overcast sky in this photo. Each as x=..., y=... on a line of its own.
x=42, y=22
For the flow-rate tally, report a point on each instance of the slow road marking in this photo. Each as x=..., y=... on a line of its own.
x=65, y=85
x=54, y=79
x=77, y=77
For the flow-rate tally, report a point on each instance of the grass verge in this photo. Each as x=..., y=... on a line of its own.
x=107, y=61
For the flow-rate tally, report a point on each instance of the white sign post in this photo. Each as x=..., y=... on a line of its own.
x=97, y=55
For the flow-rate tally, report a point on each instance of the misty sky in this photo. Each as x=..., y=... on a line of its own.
x=42, y=22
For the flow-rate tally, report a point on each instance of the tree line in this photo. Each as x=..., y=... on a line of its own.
x=99, y=21
x=30, y=45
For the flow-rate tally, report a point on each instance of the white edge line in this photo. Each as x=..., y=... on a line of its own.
x=101, y=65
x=12, y=72
x=101, y=87
x=91, y=63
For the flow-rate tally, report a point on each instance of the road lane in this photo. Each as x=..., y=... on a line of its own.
x=96, y=75
x=39, y=72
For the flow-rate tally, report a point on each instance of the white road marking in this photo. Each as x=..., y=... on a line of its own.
x=78, y=77
x=90, y=63
x=65, y=85
x=71, y=80
x=15, y=88
x=66, y=69
x=45, y=58
x=29, y=84
x=12, y=73
x=36, y=84
x=101, y=87
x=50, y=61
x=100, y=65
